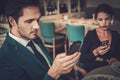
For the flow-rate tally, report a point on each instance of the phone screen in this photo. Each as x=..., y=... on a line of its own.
x=75, y=47
x=105, y=43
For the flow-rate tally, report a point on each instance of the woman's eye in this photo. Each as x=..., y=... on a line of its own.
x=100, y=19
x=107, y=18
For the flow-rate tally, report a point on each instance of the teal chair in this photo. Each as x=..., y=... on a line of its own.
x=51, y=39
x=75, y=35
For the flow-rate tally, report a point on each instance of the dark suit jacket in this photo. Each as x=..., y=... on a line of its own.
x=18, y=63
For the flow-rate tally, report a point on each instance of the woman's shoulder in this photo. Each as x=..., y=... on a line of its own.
x=114, y=33
x=91, y=32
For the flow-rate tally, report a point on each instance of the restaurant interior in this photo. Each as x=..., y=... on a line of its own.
x=60, y=16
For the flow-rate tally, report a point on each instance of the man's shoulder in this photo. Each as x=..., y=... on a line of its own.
x=6, y=48
x=8, y=45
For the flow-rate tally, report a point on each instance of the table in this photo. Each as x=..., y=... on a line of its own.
x=112, y=72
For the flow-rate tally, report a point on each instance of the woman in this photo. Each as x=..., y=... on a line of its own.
x=101, y=45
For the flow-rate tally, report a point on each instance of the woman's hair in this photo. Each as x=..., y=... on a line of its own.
x=104, y=8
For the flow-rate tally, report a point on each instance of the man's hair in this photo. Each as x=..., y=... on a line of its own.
x=104, y=8
x=14, y=8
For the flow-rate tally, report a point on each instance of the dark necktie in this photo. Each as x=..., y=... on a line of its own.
x=37, y=54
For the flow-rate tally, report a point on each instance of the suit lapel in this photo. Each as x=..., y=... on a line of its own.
x=40, y=44
x=24, y=56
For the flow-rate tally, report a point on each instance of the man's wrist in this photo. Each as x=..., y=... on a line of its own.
x=53, y=74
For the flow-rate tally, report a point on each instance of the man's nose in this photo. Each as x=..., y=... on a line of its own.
x=36, y=25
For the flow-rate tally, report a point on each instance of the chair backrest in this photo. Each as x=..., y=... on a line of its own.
x=75, y=32
x=47, y=31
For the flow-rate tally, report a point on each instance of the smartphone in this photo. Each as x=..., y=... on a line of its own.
x=75, y=47
x=105, y=43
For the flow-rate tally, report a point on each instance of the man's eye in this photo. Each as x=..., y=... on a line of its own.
x=29, y=21
x=38, y=20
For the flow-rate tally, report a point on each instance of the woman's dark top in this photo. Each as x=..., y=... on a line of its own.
x=91, y=41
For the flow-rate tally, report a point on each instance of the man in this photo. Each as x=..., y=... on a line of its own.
x=18, y=60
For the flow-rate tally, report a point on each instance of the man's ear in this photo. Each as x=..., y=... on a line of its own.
x=11, y=21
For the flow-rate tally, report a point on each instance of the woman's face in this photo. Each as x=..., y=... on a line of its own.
x=104, y=20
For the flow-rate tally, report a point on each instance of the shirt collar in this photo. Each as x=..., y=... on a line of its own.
x=19, y=40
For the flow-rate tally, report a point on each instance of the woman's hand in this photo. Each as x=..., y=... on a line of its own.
x=111, y=60
x=101, y=50
x=81, y=70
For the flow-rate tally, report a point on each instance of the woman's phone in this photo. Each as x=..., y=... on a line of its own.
x=105, y=43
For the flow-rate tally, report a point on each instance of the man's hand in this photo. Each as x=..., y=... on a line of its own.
x=63, y=64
